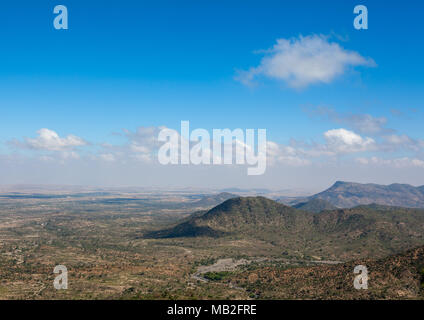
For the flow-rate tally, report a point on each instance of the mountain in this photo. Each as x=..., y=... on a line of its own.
x=215, y=199
x=236, y=216
x=315, y=205
x=350, y=194
x=336, y=234
x=399, y=276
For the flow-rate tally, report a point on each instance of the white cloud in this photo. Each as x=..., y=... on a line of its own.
x=143, y=143
x=337, y=142
x=145, y=138
x=335, y=149
x=141, y=146
x=345, y=141
x=303, y=61
x=50, y=146
x=386, y=139
x=285, y=155
x=51, y=141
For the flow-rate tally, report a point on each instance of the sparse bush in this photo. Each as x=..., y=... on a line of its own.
x=217, y=276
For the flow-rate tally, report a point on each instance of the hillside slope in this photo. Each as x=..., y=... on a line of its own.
x=337, y=234
x=315, y=205
x=399, y=276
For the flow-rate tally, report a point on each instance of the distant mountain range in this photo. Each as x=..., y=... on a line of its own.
x=214, y=199
x=371, y=230
x=239, y=190
x=350, y=194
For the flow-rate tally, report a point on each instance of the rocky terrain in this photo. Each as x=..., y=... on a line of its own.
x=399, y=276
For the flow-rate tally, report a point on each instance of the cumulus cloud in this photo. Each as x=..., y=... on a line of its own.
x=141, y=146
x=144, y=138
x=341, y=142
x=386, y=139
x=285, y=155
x=304, y=61
x=49, y=140
x=345, y=141
x=143, y=143
x=50, y=146
x=337, y=142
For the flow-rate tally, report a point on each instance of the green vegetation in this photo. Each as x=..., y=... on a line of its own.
x=245, y=248
x=341, y=234
x=393, y=277
x=217, y=276
x=315, y=205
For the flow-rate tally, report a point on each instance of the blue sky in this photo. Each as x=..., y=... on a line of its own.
x=130, y=64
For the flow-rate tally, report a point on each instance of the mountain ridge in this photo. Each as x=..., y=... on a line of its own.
x=364, y=230
x=344, y=194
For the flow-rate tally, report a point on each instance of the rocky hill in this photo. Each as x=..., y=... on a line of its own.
x=337, y=234
x=350, y=194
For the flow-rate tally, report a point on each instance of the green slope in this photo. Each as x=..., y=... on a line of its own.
x=361, y=231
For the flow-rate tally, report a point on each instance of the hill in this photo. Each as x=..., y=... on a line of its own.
x=235, y=216
x=336, y=234
x=315, y=205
